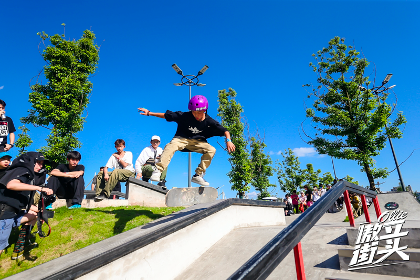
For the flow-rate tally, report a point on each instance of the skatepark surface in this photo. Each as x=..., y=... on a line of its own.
x=236, y=244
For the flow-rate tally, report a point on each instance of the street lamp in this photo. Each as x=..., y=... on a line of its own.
x=377, y=91
x=189, y=80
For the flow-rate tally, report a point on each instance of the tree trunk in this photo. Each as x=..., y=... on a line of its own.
x=370, y=177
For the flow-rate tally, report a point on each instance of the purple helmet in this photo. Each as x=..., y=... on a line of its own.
x=198, y=103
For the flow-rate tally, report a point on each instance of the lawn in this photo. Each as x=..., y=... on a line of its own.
x=78, y=228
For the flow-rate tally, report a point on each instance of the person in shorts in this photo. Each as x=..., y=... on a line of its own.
x=7, y=128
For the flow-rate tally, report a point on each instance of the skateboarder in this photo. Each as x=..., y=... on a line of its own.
x=194, y=127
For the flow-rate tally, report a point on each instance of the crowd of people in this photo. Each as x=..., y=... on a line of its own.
x=26, y=176
x=299, y=202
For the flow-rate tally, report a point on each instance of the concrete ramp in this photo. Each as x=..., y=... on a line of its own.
x=405, y=200
x=164, y=248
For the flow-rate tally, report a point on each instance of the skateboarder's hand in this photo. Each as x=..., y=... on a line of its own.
x=230, y=147
x=143, y=110
x=106, y=177
x=138, y=176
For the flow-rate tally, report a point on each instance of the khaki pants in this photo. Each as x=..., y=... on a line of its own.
x=115, y=176
x=147, y=171
x=178, y=144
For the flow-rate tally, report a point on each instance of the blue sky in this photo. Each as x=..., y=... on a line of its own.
x=259, y=48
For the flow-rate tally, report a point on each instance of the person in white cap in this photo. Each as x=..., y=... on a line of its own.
x=145, y=163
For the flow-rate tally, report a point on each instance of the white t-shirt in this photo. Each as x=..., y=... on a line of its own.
x=316, y=195
x=127, y=158
x=148, y=152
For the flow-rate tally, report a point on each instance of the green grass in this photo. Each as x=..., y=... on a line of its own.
x=78, y=228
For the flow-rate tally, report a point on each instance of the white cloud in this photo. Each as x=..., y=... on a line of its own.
x=304, y=152
x=1, y=87
x=252, y=195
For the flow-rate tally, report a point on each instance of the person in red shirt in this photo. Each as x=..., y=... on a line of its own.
x=295, y=201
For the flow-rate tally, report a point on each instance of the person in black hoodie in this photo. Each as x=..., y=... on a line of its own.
x=17, y=188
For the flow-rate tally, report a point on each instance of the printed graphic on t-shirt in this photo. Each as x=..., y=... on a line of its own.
x=3, y=128
x=194, y=130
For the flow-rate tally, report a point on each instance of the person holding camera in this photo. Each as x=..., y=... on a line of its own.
x=67, y=181
x=6, y=128
x=17, y=188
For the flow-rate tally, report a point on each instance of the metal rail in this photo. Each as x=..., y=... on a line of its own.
x=269, y=257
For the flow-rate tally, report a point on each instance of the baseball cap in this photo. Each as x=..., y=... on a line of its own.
x=5, y=154
x=40, y=156
x=155, y=137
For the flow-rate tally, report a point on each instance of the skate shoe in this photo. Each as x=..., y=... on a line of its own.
x=198, y=179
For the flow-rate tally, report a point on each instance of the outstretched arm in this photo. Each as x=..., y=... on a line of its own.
x=146, y=112
x=229, y=145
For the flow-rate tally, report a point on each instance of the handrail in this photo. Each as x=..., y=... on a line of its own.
x=269, y=257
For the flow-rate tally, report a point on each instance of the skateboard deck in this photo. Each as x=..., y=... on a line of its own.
x=190, y=196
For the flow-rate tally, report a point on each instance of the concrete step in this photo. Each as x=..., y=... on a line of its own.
x=366, y=276
x=393, y=265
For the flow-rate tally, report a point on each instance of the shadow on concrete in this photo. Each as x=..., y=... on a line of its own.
x=341, y=240
x=331, y=263
x=173, y=217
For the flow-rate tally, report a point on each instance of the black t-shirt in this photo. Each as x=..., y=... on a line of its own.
x=6, y=127
x=3, y=171
x=190, y=128
x=17, y=199
x=308, y=194
x=65, y=168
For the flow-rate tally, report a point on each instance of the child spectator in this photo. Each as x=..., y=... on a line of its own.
x=6, y=128
x=67, y=180
x=308, y=194
x=17, y=188
x=288, y=210
x=122, y=162
x=302, y=202
x=4, y=163
x=146, y=162
x=194, y=127
x=295, y=201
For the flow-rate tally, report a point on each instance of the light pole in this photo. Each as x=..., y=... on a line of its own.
x=189, y=80
x=377, y=91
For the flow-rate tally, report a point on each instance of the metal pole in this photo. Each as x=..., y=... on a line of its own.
x=189, y=155
x=335, y=175
x=396, y=163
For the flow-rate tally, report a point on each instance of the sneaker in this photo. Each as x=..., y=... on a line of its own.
x=74, y=206
x=162, y=184
x=198, y=179
x=49, y=207
x=145, y=179
x=99, y=198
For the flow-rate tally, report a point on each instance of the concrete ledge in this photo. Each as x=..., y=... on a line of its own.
x=163, y=248
x=145, y=194
x=405, y=268
x=90, y=203
x=366, y=276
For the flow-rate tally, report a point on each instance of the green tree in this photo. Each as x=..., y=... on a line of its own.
x=312, y=176
x=230, y=112
x=261, y=168
x=326, y=179
x=350, y=117
x=350, y=179
x=59, y=104
x=289, y=174
x=23, y=140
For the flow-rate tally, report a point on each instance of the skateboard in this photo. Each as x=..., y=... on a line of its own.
x=190, y=196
